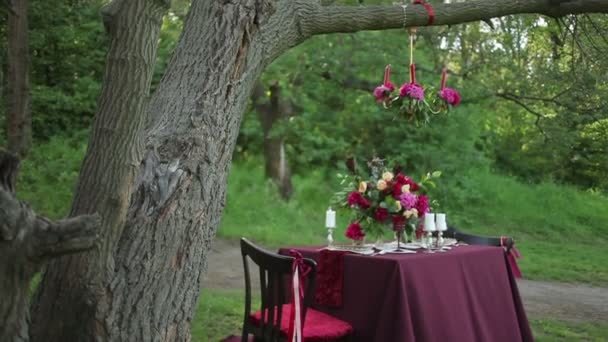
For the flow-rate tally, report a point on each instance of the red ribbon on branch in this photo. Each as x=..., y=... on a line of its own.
x=429, y=10
x=512, y=254
x=299, y=271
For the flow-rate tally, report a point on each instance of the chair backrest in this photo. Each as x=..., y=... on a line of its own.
x=275, y=278
x=473, y=239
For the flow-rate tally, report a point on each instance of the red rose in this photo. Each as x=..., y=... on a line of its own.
x=364, y=202
x=381, y=214
x=397, y=190
x=354, y=231
x=422, y=205
x=389, y=184
x=401, y=179
x=355, y=198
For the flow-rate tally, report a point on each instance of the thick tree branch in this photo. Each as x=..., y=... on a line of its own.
x=64, y=237
x=328, y=19
x=26, y=242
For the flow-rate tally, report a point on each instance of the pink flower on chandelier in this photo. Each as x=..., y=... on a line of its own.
x=382, y=93
x=412, y=90
x=449, y=95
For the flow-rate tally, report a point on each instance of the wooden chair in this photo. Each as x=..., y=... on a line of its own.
x=275, y=274
x=473, y=239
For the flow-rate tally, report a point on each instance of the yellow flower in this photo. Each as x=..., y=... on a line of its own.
x=381, y=185
x=408, y=213
x=415, y=212
x=362, y=187
x=398, y=205
x=387, y=176
x=405, y=188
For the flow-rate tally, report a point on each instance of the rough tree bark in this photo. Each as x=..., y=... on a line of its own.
x=160, y=218
x=19, y=114
x=271, y=113
x=27, y=241
x=76, y=288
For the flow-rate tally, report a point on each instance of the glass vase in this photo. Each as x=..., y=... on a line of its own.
x=359, y=243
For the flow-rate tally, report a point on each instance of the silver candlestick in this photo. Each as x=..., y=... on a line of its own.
x=330, y=236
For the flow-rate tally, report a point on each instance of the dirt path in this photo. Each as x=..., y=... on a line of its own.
x=542, y=299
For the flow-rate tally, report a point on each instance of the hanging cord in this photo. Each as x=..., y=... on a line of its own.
x=412, y=65
x=429, y=10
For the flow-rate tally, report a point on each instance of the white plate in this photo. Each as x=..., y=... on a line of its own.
x=366, y=249
x=398, y=251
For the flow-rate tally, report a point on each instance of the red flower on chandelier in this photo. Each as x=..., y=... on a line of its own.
x=412, y=89
x=382, y=93
x=449, y=95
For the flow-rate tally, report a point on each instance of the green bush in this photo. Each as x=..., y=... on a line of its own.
x=48, y=176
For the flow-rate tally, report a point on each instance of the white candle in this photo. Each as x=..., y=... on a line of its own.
x=429, y=222
x=330, y=218
x=441, y=224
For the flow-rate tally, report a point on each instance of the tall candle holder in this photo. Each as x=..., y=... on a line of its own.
x=429, y=228
x=441, y=227
x=330, y=237
x=330, y=224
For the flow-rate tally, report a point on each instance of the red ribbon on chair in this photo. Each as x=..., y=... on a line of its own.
x=429, y=9
x=299, y=271
x=512, y=254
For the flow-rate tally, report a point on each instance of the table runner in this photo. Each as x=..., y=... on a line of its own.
x=330, y=269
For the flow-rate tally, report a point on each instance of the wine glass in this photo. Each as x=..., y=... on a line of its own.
x=429, y=228
x=399, y=228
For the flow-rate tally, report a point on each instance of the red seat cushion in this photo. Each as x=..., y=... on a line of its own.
x=318, y=327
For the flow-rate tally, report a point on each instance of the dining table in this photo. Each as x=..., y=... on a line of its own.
x=466, y=293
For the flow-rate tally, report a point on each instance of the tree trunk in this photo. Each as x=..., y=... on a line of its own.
x=74, y=298
x=26, y=242
x=161, y=211
x=19, y=114
x=269, y=114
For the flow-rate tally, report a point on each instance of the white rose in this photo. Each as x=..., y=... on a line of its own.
x=387, y=176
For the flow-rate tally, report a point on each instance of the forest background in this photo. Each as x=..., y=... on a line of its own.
x=525, y=154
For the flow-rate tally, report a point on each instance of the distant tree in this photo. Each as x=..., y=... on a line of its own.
x=19, y=111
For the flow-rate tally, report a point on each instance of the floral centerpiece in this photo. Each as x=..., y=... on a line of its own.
x=384, y=199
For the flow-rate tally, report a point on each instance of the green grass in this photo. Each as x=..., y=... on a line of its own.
x=219, y=314
x=225, y=310
x=561, y=231
x=547, y=330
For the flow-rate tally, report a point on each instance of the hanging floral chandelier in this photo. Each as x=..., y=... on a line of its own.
x=413, y=100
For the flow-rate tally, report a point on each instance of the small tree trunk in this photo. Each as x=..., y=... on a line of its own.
x=275, y=159
x=26, y=242
x=19, y=115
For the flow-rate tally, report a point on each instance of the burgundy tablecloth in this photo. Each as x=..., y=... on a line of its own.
x=466, y=294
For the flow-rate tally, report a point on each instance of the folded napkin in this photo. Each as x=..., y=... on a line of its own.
x=330, y=269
